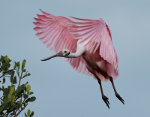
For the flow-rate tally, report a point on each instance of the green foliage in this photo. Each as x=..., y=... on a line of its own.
x=16, y=95
x=29, y=113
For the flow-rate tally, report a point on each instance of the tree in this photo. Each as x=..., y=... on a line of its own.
x=15, y=95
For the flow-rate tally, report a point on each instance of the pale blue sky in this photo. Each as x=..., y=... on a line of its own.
x=63, y=92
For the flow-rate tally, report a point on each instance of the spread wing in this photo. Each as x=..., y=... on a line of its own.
x=97, y=35
x=54, y=32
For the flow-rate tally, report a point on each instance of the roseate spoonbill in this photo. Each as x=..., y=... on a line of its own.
x=85, y=43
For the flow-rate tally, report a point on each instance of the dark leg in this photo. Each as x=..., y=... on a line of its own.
x=105, y=99
x=117, y=95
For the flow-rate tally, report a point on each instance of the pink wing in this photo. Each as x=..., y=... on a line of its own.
x=54, y=32
x=97, y=35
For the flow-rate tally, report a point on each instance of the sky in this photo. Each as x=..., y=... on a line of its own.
x=62, y=91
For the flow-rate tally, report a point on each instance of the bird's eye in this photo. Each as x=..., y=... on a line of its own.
x=65, y=51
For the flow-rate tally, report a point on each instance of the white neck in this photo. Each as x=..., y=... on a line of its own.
x=73, y=55
x=78, y=53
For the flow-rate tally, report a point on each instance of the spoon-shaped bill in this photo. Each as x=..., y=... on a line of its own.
x=48, y=58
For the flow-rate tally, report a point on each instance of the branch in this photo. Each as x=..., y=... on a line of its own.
x=21, y=110
x=19, y=82
x=20, y=77
x=1, y=76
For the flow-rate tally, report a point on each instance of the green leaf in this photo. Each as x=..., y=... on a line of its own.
x=28, y=74
x=25, y=96
x=28, y=88
x=31, y=93
x=13, y=100
x=28, y=112
x=26, y=115
x=1, y=111
x=15, y=80
x=5, y=63
x=1, y=108
x=10, y=72
x=17, y=65
x=23, y=86
x=20, y=101
x=18, y=91
x=32, y=99
x=23, y=65
x=11, y=91
x=31, y=115
x=26, y=83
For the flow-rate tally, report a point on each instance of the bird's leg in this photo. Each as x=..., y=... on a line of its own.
x=105, y=99
x=116, y=93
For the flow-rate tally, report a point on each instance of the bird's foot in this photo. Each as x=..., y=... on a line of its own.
x=120, y=98
x=105, y=99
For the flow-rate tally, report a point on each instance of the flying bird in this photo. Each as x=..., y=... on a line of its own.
x=85, y=43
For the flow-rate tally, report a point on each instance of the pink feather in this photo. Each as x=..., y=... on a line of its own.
x=98, y=32
x=54, y=32
x=59, y=33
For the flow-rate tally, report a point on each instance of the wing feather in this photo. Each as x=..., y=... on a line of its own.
x=97, y=35
x=54, y=32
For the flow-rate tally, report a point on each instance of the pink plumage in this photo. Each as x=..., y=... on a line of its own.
x=99, y=39
x=88, y=42
x=54, y=32
x=59, y=33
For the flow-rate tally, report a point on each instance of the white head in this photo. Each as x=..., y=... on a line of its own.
x=65, y=52
x=62, y=53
